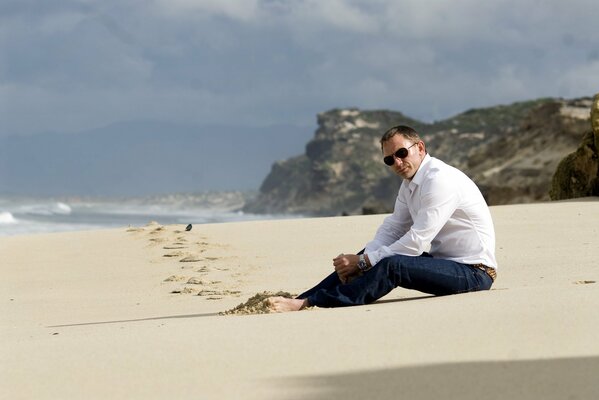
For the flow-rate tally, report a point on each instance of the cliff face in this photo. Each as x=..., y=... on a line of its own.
x=509, y=151
x=340, y=171
x=577, y=174
x=517, y=167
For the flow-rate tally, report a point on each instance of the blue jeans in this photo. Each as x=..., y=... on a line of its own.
x=423, y=273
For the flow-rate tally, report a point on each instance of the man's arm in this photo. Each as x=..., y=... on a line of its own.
x=439, y=200
x=393, y=227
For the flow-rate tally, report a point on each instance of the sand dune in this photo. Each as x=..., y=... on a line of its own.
x=134, y=313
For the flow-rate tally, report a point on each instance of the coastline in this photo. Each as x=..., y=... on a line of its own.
x=23, y=215
x=118, y=313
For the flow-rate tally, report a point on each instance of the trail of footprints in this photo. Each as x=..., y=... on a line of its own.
x=196, y=274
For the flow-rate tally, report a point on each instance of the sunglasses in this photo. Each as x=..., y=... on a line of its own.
x=400, y=153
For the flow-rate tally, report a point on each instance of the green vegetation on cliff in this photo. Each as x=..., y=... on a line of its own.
x=577, y=175
x=510, y=151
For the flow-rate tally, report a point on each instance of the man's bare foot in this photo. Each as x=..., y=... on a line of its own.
x=283, y=304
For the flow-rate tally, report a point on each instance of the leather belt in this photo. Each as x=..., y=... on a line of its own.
x=490, y=271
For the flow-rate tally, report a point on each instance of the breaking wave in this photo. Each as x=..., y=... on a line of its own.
x=57, y=208
x=21, y=216
x=7, y=218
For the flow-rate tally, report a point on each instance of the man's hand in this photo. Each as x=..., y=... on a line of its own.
x=346, y=266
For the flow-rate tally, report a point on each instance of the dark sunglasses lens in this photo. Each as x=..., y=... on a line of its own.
x=401, y=153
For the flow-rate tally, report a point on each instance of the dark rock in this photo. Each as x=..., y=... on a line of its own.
x=517, y=166
x=577, y=175
x=375, y=207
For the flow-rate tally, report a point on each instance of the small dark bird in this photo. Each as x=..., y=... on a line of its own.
x=188, y=227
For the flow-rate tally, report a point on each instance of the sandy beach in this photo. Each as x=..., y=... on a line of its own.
x=134, y=313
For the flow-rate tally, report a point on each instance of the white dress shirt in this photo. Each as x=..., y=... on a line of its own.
x=440, y=211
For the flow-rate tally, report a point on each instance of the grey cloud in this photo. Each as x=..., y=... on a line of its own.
x=72, y=65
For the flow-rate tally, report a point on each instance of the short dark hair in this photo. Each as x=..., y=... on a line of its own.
x=403, y=130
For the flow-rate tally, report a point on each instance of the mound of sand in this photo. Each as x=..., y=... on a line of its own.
x=256, y=304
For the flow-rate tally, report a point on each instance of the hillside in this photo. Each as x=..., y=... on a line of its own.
x=511, y=152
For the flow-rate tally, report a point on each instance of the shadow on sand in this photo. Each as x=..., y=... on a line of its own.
x=136, y=320
x=198, y=315
x=565, y=378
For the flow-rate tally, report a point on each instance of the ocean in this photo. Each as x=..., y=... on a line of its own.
x=31, y=215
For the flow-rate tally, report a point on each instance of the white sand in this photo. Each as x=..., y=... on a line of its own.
x=90, y=315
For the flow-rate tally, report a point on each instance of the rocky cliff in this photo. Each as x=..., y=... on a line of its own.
x=510, y=151
x=577, y=175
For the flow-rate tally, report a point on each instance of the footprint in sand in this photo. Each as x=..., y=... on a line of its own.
x=191, y=258
x=173, y=254
x=157, y=230
x=195, y=281
x=174, y=247
x=174, y=278
x=210, y=292
x=584, y=282
x=185, y=290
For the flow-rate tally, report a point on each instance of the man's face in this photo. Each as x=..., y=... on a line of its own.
x=404, y=167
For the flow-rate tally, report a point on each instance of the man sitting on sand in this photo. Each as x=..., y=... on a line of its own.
x=439, y=240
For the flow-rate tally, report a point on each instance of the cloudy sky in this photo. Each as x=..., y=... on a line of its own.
x=72, y=65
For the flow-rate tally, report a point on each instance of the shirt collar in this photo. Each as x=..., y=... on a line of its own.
x=419, y=175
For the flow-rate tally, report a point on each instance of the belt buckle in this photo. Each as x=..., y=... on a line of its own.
x=488, y=270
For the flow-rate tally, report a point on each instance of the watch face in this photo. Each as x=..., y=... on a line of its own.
x=362, y=265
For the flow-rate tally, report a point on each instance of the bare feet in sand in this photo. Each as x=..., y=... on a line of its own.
x=283, y=304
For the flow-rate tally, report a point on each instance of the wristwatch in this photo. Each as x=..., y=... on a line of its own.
x=362, y=265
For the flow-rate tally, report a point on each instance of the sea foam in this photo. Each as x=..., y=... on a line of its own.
x=23, y=216
x=7, y=218
x=51, y=208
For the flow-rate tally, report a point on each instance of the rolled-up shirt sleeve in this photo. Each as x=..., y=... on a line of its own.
x=439, y=200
